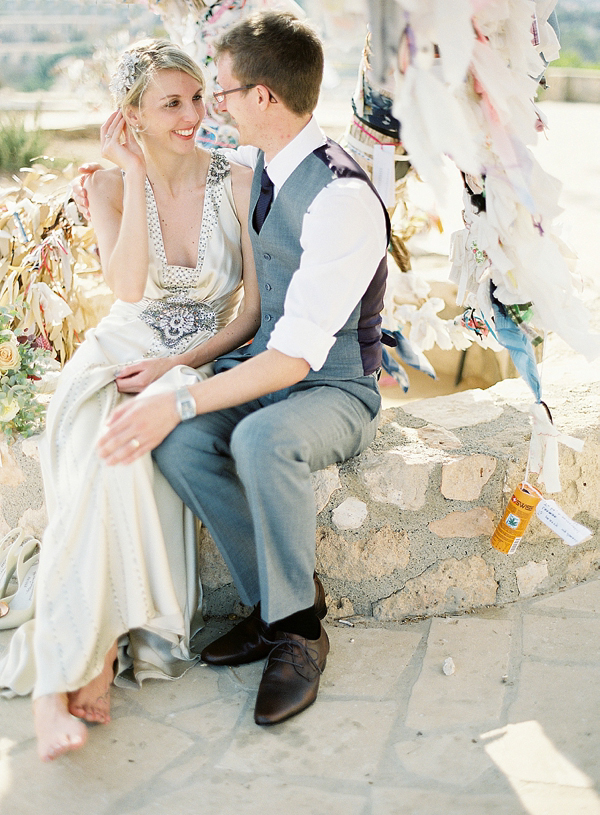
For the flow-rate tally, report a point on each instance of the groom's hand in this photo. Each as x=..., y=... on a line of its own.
x=138, y=427
x=78, y=191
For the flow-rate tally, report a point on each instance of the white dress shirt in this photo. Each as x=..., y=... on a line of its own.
x=343, y=240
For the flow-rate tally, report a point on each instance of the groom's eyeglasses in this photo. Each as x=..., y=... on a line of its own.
x=219, y=96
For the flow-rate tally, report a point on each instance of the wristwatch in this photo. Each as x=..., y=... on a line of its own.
x=185, y=403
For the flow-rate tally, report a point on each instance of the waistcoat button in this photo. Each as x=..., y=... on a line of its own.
x=267, y=256
x=267, y=317
x=268, y=286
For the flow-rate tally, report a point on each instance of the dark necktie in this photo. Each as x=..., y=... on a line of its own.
x=265, y=199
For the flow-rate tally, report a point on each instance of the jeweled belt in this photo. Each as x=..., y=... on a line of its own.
x=178, y=317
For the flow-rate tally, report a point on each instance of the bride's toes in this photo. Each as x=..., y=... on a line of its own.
x=92, y=702
x=95, y=711
x=63, y=744
x=89, y=712
x=81, y=712
x=100, y=711
x=57, y=731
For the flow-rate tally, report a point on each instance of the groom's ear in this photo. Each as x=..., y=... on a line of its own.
x=264, y=96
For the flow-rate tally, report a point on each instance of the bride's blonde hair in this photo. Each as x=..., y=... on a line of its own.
x=141, y=62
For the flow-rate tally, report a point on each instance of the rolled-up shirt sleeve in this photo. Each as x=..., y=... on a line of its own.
x=343, y=241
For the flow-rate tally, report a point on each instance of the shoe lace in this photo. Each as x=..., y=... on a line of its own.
x=293, y=652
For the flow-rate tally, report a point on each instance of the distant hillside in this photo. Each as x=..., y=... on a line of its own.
x=36, y=34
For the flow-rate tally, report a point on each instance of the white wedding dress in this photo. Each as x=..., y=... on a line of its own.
x=119, y=557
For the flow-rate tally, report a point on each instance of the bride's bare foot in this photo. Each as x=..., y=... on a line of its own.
x=92, y=702
x=57, y=731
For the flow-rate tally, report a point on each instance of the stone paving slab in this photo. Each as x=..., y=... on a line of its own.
x=552, y=799
x=563, y=639
x=359, y=650
x=475, y=692
x=425, y=802
x=564, y=702
x=582, y=598
x=227, y=794
x=455, y=758
x=336, y=740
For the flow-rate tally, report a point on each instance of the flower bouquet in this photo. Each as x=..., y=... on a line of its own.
x=21, y=368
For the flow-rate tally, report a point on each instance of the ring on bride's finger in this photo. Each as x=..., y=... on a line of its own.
x=134, y=443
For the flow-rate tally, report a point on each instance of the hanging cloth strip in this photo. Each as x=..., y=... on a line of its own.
x=543, y=447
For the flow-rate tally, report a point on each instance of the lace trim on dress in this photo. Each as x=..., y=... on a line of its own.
x=178, y=277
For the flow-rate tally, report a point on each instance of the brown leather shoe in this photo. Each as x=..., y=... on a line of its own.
x=252, y=638
x=291, y=677
x=249, y=640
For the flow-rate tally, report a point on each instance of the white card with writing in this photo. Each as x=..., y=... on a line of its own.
x=384, y=172
x=558, y=521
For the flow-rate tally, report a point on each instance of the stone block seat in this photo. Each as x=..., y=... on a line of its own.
x=403, y=530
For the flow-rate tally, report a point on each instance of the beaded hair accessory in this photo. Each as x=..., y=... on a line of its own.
x=125, y=75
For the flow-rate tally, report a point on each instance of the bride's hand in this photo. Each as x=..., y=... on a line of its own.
x=119, y=145
x=117, y=148
x=137, y=376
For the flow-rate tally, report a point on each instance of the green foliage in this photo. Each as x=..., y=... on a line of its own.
x=20, y=367
x=18, y=146
x=39, y=75
x=573, y=59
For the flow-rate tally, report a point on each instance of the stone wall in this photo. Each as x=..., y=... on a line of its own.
x=572, y=85
x=404, y=529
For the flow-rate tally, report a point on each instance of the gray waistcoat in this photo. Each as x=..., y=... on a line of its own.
x=356, y=353
x=277, y=253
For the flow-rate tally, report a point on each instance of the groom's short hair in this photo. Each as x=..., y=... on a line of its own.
x=280, y=51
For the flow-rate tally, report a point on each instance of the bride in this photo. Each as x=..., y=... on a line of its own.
x=117, y=588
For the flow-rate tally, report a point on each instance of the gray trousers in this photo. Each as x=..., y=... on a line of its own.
x=245, y=472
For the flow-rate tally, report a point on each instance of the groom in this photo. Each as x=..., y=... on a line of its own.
x=239, y=447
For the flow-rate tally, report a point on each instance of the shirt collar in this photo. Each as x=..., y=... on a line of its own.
x=287, y=159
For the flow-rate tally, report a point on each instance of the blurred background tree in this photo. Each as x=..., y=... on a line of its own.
x=579, y=22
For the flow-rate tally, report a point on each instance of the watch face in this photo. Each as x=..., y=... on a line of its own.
x=189, y=409
x=186, y=406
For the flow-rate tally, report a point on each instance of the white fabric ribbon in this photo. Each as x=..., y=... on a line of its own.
x=55, y=307
x=543, y=448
